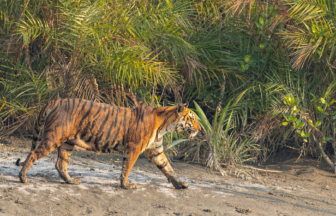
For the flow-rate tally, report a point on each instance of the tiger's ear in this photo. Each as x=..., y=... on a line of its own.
x=180, y=107
x=186, y=104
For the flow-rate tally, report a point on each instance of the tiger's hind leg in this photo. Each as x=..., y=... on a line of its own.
x=157, y=157
x=64, y=153
x=42, y=150
x=128, y=163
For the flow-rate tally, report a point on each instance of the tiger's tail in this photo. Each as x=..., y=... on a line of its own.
x=37, y=127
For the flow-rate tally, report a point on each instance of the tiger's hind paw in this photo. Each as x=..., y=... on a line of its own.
x=129, y=186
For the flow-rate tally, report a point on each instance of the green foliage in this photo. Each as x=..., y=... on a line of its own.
x=23, y=94
x=270, y=64
x=225, y=144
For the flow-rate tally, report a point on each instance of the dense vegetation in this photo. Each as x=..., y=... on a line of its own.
x=261, y=73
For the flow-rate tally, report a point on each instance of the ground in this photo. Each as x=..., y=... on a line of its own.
x=303, y=187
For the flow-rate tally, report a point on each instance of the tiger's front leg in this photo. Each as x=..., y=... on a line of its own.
x=158, y=157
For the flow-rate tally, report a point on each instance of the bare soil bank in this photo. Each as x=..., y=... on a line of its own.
x=302, y=188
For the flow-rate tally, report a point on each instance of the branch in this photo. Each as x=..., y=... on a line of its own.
x=324, y=155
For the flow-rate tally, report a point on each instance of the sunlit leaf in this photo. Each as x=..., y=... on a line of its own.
x=311, y=123
x=323, y=100
x=302, y=133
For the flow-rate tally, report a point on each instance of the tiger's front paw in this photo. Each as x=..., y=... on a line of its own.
x=178, y=184
x=129, y=186
x=181, y=185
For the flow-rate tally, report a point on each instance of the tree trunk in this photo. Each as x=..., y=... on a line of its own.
x=324, y=155
x=334, y=144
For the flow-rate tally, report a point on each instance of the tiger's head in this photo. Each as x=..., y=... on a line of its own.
x=187, y=121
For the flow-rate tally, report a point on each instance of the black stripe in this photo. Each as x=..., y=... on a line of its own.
x=138, y=117
x=52, y=111
x=155, y=155
x=80, y=111
x=74, y=111
x=158, y=146
x=116, y=146
x=143, y=113
x=42, y=113
x=85, y=130
x=93, y=125
x=95, y=142
x=140, y=129
x=125, y=119
x=35, y=139
x=101, y=128
x=163, y=165
x=62, y=126
x=166, y=119
x=87, y=113
x=73, y=103
x=162, y=125
x=160, y=113
x=117, y=117
x=97, y=111
x=53, y=137
x=130, y=121
x=73, y=106
x=111, y=126
x=116, y=134
x=106, y=146
x=64, y=159
x=66, y=118
x=80, y=123
x=53, y=118
x=83, y=106
x=90, y=138
x=95, y=120
x=67, y=113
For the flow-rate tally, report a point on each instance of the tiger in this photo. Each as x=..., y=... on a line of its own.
x=103, y=128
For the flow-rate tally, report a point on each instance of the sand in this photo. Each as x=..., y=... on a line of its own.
x=303, y=187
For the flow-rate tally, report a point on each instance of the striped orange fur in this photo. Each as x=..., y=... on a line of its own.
x=101, y=127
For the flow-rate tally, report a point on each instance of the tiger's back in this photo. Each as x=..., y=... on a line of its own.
x=96, y=126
